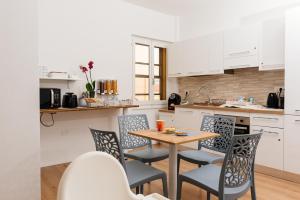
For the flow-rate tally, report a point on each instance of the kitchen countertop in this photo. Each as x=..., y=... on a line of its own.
x=59, y=110
x=212, y=107
x=166, y=110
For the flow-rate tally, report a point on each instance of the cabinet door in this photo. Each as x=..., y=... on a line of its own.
x=270, y=148
x=215, y=58
x=198, y=56
x=292, y=62
x=168, y=118
x=272, y=44
x=241, y=47
x=292, y=144
x=176, y=59
x=187, y=118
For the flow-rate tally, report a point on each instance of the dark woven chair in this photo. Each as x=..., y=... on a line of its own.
x=137, y=172
x=234, y=178
x=129, y=123
x=222, y=125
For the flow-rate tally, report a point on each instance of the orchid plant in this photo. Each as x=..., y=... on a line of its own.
x=90, y=85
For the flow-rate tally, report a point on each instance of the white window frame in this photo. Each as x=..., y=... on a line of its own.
x=152, y=43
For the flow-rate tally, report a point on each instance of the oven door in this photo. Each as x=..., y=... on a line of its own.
x=241, y=129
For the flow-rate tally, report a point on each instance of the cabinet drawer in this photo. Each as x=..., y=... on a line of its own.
x=187, y=118
x=276, y=121
x=270, y=148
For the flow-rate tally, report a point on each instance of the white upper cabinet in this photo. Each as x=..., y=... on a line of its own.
x=199, y=56
x=241, y=47
x=272, y=44
x=292, y=62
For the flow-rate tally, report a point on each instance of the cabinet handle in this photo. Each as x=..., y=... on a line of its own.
x=186, y=111
x=266, y=118
x=239, y=53
x=297, y=110
x=270, y=132
x=297, y=120
x=205, y=113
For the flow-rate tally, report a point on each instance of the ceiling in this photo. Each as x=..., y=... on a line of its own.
x=172, y=7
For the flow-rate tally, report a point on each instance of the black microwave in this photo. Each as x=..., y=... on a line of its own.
x=50, y=98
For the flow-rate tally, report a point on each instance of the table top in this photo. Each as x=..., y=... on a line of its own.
x=172, y=138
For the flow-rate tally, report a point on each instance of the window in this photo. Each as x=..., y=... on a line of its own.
x=150, y=70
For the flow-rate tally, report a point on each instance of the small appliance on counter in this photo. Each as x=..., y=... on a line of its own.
x=273, y=101
x=70, y=100
x=50, y=98
x=174, y=99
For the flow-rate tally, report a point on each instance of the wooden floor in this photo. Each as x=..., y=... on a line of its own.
x=268, y=188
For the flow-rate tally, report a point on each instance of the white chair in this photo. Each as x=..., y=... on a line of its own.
x=97, y=176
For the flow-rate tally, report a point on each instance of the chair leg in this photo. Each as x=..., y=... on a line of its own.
x=178, y=165
x=208, y=195
x=253, y=192
x=165, y=186
x=142, y=189
x=179, y=188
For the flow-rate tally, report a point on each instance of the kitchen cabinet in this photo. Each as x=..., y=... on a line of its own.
x=190, y=119
x=270, y=148
x=292, y=62
x=241, y=47
x=292, y=144
x=194, y=57
x=272, y=44
x=168, y=118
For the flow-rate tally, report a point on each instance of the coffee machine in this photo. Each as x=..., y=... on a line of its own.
x=174, y=99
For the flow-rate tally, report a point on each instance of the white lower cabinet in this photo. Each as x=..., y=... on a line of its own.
x=168, y=118
x=270, y=148
x=292, y=144
x=190, y=119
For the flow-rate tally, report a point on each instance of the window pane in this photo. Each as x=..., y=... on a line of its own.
x=142, y=97
x=156, y=71
x=142, y=69
x=142, y=53
x=156, y=56
x=141, y=85
x=156, y=86
x=157, y=97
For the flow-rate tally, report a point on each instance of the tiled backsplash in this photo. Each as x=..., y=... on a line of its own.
x=244, y=82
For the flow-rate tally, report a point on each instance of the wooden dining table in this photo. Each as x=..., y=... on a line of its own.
x=174, y=141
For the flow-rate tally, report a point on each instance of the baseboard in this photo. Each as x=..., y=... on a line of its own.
x=278, y=173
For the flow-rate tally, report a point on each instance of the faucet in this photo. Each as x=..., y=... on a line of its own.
x=204, y=87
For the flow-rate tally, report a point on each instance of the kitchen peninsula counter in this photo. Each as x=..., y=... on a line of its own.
x=61, y=110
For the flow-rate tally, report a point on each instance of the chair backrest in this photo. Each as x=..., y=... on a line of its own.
x=223, y=125
x=238, y=165
x=94, y=175
x=129, y=123
x=107, y=141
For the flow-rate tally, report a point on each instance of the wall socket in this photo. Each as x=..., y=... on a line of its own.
x=276, y=89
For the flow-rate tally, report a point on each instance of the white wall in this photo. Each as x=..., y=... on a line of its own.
x=19, y=125
x=73, y=32
x=218, y=15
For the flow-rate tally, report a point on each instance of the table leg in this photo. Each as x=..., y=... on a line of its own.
x=172, y=171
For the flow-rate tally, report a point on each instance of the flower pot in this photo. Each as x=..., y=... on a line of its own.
x=92, y=94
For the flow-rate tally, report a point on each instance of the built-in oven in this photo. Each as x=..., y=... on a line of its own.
x=242, y=125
